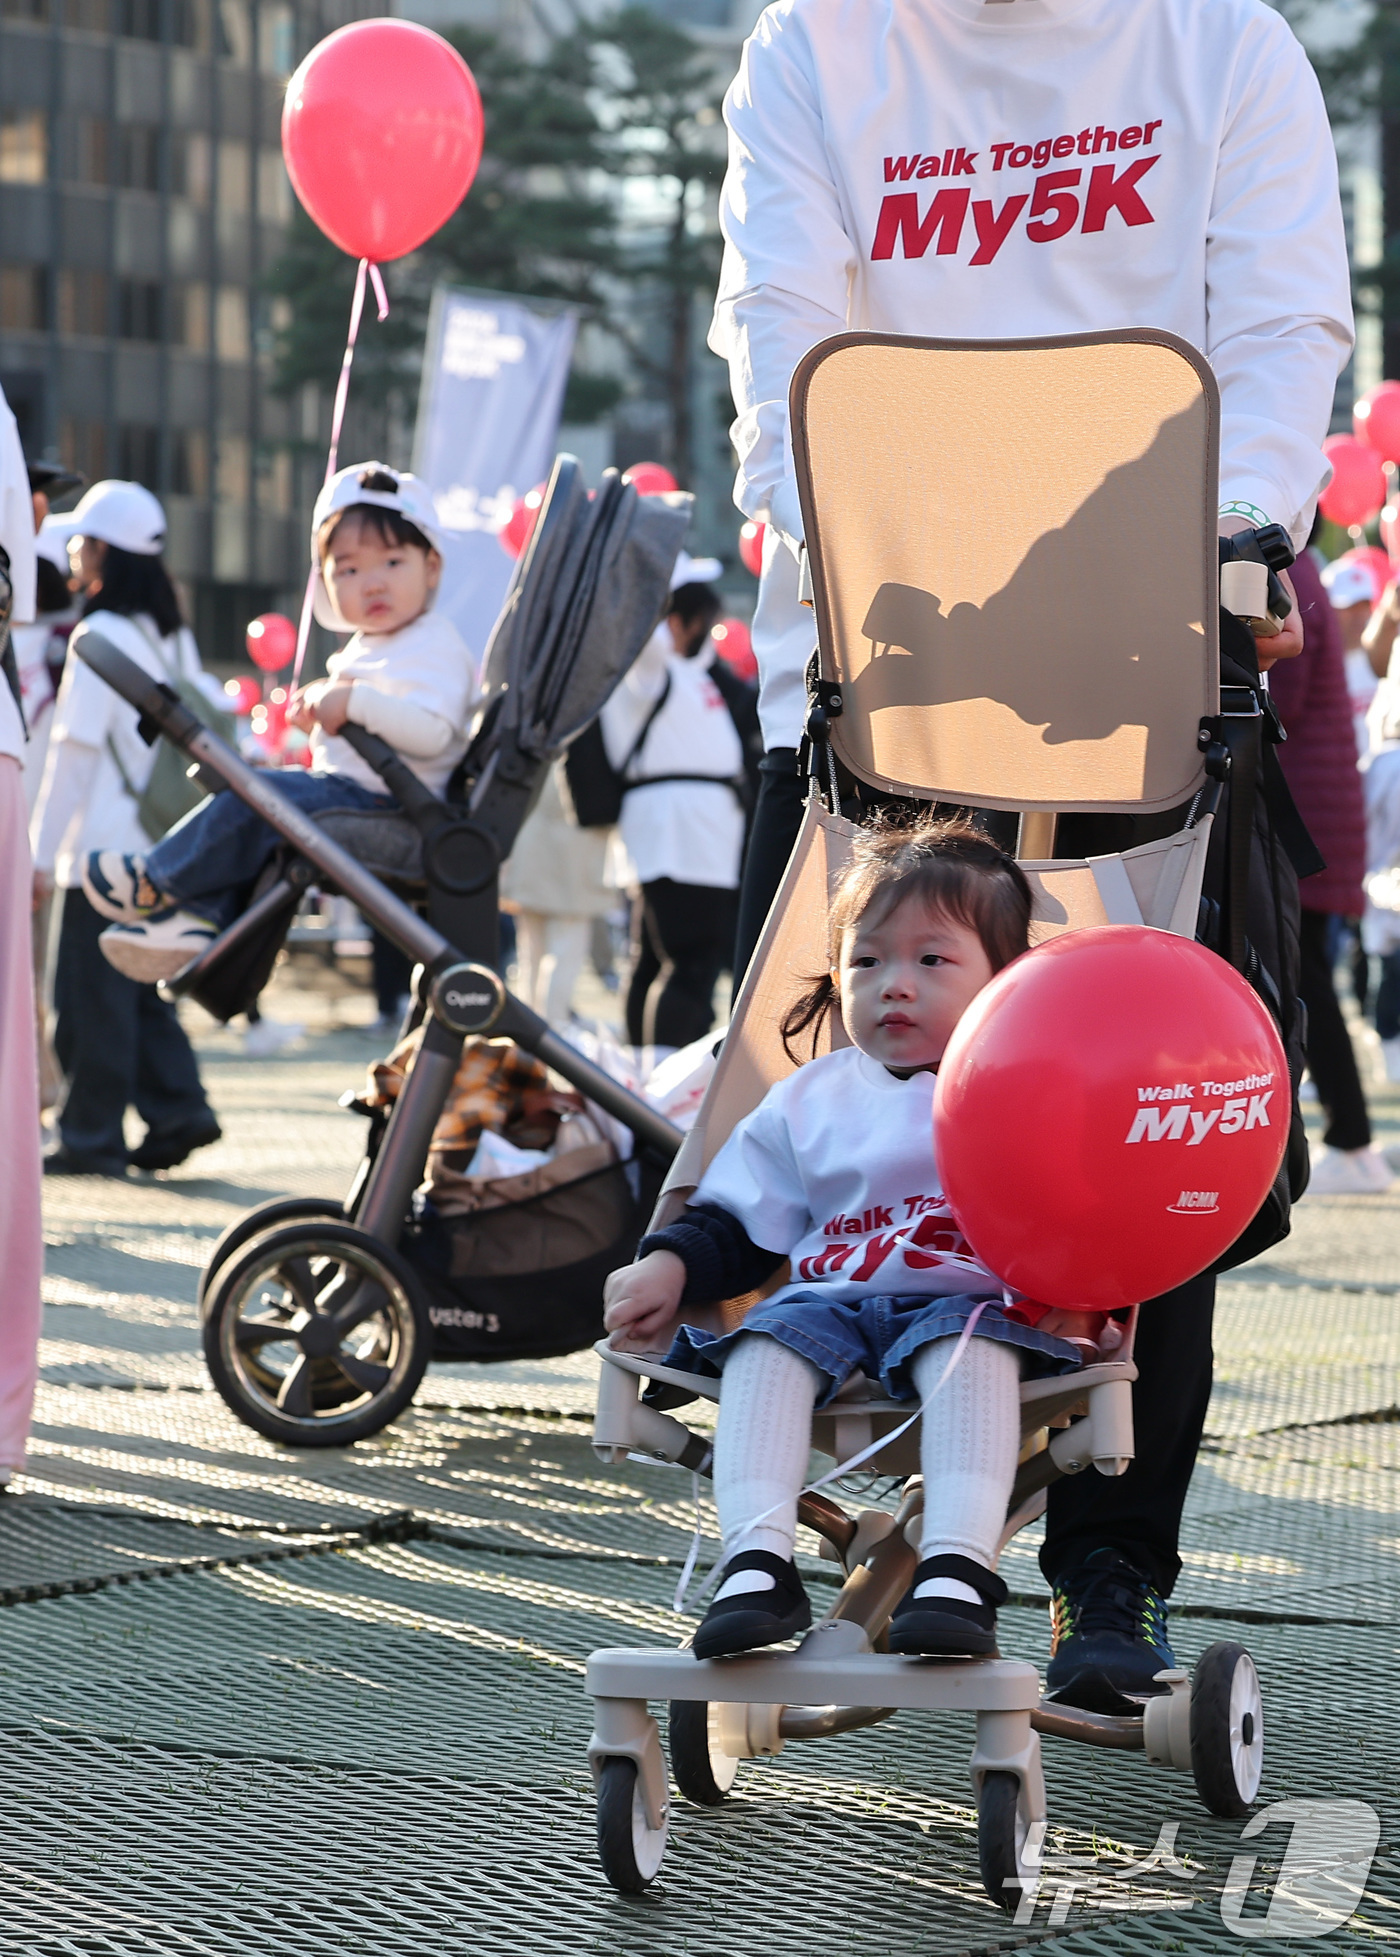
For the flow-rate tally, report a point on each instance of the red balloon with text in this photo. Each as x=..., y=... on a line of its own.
x=382, y=133
x=1111, y=1112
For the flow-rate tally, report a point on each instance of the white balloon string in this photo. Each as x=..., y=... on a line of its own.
x=835, y=1474
x=364, y=269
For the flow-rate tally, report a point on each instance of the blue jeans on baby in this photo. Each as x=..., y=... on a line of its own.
x=876, y=1336
x=211, y=859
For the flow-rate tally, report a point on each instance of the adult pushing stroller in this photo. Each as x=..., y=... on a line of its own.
x=319, y=1318
x=1040, y=639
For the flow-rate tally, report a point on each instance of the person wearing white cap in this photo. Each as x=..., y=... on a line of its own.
x=1353, y=590
x=670, y=732
x=406, y=675
x=21, y=1243
x=118, y=1044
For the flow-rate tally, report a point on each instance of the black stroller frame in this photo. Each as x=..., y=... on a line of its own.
x=352, y=1329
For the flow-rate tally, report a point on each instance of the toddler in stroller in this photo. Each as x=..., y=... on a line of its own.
x=831, y=1176
x=406, y=676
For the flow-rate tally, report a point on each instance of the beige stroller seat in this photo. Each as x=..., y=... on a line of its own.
x=1036, y=633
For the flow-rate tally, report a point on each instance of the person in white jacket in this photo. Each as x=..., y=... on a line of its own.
x=118, y=1044
x=990, y=169
x=998, y=169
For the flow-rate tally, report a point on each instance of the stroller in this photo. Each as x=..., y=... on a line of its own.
x=1036, y=640
x=319, y=1318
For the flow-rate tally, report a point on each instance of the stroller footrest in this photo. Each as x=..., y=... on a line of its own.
x=869, y=1678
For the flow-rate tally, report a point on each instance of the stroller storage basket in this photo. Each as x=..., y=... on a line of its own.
x=523, y=1279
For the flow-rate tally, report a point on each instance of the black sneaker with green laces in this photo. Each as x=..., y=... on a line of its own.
x=1108, y=1636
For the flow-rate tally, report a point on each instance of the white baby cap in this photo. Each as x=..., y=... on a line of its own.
x=386, y=489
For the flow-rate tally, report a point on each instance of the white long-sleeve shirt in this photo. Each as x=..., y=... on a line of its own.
x=414, y=688
x=689, y=831
x=997, y=169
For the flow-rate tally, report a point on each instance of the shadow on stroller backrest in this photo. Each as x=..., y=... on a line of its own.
x=320, y=1317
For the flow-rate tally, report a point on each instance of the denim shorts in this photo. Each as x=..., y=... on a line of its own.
x=876, y=1336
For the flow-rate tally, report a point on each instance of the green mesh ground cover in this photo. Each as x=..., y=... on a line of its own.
x=331, y=1702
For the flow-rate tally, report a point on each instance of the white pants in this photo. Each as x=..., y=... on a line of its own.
x=551, y=951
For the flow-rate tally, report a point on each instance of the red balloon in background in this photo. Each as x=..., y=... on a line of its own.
x=1357, y=488
x=382, y=132
x=1376, y=420
x=244, y=694
x=1111, y=1112
x=519, y=526
x=650, y=479
x=1390, y=533
x=734, y=644
x=271, y=641
x=751, y=547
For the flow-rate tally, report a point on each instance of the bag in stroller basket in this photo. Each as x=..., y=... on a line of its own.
x=512, y=1265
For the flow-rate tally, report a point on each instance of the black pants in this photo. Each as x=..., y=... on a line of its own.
x=684, y=938
x=777, y=817
x=1139, y=1513
x=118, y=1044
x=392, y=971
x=1331, y=1058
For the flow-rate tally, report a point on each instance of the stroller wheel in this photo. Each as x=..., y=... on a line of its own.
x=1227, y=1729
x=629, y=1848
x=703, y=1771
x=1002, y=1830
x=316, y=1336
x=291, y=1209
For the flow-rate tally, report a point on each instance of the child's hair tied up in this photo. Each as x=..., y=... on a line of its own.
x=945, y=861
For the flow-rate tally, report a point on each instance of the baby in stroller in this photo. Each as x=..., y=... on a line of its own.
x=406, y=675
x=835, y=1174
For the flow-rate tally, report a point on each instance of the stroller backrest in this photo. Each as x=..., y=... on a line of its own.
x=1014, y=571
x=1013, y=561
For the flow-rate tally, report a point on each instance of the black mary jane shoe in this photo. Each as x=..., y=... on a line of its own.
x=949, y=1627
x=758, y=1617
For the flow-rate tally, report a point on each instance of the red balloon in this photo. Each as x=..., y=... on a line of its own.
x=382, y=131
x=244, y=694
x=734, y=644
x=519, y=526
x=1357, y=488
x=650, y=479
x=271, y=641
x=1376, y=420
x=751, y=547
x=1111, y=1112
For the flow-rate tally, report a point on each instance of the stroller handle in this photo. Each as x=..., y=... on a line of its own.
x=161, y=706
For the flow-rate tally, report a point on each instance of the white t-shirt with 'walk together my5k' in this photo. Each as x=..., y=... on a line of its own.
x=1002, y=169
x=836, y=1169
